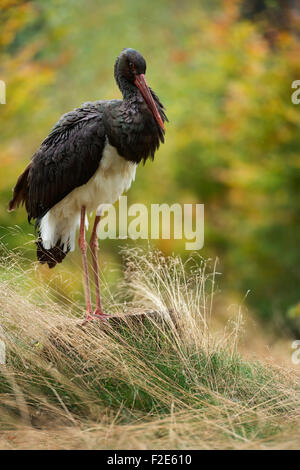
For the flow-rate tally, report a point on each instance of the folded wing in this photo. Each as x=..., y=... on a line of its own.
x=66, y=159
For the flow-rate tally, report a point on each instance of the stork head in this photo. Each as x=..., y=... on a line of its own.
x=130, y=68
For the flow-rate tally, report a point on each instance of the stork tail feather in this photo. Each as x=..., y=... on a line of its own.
x=20, y=193
x=52, y=256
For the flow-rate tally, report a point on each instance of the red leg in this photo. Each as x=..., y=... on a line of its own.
x=94, y=248
x=83, y=247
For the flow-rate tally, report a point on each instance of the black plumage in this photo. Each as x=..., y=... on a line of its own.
x=66, y=159
x=52, y=256
x=71, y=153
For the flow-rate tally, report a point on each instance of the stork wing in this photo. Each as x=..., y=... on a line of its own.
x=66, y=159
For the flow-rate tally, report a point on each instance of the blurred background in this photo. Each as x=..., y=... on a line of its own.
x=224, y=71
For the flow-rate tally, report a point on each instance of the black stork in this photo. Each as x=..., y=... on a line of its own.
x=89, y=159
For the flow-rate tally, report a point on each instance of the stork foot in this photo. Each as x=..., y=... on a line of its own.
x=100, y=315
x=96, y=315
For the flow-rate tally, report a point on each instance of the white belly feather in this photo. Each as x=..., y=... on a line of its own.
x=113, y=176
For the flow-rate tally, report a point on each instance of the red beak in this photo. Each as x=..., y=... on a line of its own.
x=141, y=83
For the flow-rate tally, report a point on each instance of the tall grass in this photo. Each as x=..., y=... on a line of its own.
x=154, y=376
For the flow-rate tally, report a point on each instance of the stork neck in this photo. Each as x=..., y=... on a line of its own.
x=128, y=90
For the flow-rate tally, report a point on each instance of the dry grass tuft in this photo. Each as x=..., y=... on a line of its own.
x=154, y=378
